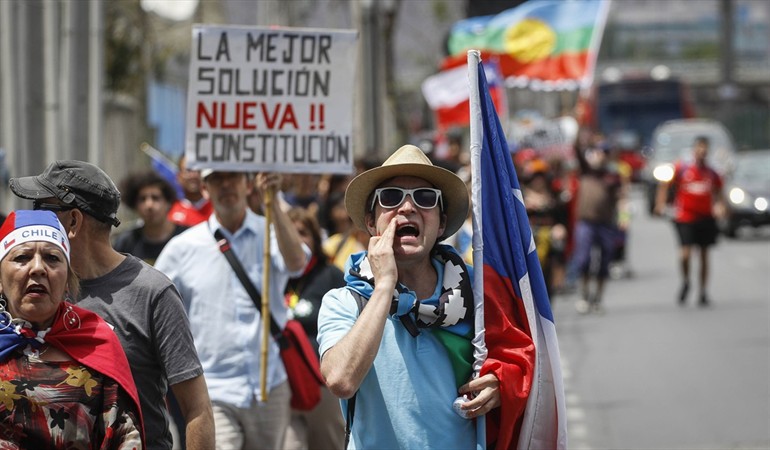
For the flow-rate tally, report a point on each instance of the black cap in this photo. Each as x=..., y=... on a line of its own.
x=76, y=183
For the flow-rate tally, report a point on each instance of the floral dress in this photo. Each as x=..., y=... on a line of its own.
x=63, y=405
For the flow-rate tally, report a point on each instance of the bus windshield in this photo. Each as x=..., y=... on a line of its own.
x=638, y=106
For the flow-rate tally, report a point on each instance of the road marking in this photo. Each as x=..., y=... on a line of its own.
x=577, y=430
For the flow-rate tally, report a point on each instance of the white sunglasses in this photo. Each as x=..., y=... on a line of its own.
x=393, y=197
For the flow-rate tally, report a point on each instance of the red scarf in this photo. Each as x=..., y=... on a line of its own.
x=96, y=346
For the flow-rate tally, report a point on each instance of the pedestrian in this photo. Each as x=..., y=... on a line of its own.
x=453, y=158
x=65, y=377
x=323, y=426
x=396, y=340
x=547, y=216
x=225, y=323
x=302, y=190
x=344, y=237
x=151, y=197
x=138, y=301
x=698, y=202
x=194, y=207
x=599, y=198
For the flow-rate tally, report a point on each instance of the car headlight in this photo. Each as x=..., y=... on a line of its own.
x=663, y=173
x=737, y=196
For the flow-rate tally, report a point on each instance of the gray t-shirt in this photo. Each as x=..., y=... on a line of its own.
x=146, y=312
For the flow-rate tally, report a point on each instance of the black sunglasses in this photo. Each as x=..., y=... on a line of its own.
x=392, y=197
x=38, y=205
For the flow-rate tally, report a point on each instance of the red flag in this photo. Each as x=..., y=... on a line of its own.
x=447, y=95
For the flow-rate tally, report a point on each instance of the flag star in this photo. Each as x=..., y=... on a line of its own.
x=455, y=308
x=452, y=275
x=517, y=193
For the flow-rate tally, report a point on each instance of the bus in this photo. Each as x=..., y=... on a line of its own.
x=627, y=111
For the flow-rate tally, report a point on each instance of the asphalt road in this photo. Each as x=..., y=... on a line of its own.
x=650, y=374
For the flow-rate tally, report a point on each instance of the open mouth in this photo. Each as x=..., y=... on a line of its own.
x=407, y=230
x=36, y=289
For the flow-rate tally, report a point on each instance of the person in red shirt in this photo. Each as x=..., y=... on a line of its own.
x=193, y=208
x=698, y=202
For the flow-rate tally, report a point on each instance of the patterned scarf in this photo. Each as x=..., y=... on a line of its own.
x=92, y=344
x=450, y=316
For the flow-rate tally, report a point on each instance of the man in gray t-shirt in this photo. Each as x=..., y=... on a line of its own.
x=141, y=304
x=149, y=331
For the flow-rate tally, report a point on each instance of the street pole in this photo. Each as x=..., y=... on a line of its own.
x=8, y=91
x=727, y=60
x=21, y=66
x=66, y=87
x=95, y=78
x=371, y=70
x=727, y=90
x=50, y=66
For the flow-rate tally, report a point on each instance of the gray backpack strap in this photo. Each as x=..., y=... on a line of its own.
x=361, y=302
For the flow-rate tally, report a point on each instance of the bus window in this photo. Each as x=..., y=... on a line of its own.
x=627, y=112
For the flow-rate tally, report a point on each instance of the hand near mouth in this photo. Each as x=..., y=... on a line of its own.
x=381, y=255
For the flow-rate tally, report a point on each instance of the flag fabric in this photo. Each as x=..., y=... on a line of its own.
x=163, y=167
x=447, y=95
x=515, y=303
x=541, y=44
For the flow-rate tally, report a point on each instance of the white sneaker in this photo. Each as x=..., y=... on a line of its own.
x=582, y=306
x=617, y=270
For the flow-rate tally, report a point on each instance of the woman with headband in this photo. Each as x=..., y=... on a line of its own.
x=64, y=378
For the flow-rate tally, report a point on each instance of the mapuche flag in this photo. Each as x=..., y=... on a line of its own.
x=515, y=332
x=541, y=44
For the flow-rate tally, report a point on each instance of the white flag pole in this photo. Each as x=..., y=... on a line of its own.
x=476, y=135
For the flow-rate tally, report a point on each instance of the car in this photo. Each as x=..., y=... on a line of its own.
x=748, y=192
x=672, y=141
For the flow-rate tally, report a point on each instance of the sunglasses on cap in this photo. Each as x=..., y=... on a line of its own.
x=392, y=197
x=38, y=205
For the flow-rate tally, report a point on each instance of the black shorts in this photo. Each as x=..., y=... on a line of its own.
x=702, y=232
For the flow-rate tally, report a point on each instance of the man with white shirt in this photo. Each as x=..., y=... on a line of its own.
x=226, y=325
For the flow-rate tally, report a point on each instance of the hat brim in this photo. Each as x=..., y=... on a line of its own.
x=30, y=188
x=453, y=191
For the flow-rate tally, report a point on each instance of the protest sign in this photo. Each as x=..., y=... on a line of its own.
x=271, y=99
x=550, y=138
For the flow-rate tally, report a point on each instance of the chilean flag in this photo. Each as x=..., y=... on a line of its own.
x=164, y=167
x=515, y=333
x=447, y=95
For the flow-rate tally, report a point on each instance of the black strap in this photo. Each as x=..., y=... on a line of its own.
x=256, y=297
x=349, y=418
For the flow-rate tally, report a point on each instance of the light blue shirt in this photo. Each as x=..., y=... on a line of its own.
x=405, y=401
x=226, y=326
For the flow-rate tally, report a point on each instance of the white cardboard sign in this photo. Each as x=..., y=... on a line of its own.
x=271, y=99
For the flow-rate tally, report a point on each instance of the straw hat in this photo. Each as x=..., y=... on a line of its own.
x=410, y=161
